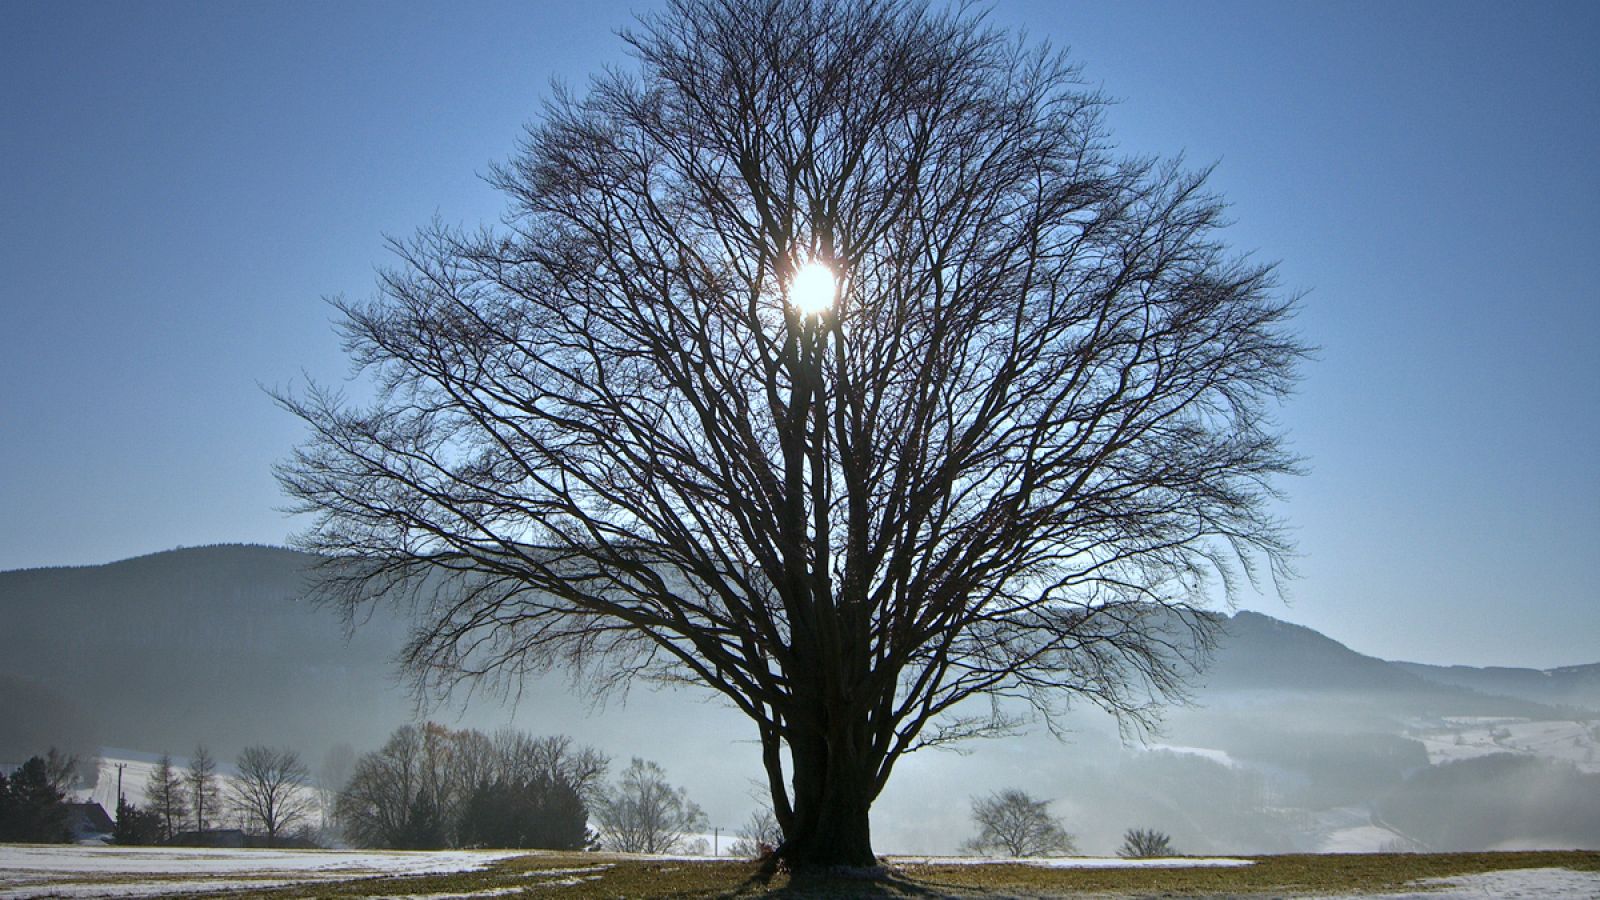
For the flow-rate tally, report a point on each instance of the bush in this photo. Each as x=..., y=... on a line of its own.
x=537, y=814
x=642, y=813
x=1015, y=824
x=1140, y=843
x=135, y=826
x=759, y=837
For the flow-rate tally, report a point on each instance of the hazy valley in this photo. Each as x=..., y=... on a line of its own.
x=1295, y=742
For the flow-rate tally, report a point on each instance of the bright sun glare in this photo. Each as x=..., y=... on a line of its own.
x=813, y=288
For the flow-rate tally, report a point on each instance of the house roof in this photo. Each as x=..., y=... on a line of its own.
x=89, y=817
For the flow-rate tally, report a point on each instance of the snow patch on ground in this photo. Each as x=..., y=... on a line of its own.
x=489, y=892
x=1352, y=829
x=551, y=873
x=89, y=871
x=1072, y=862
x=1220, y=757
x=133, y=889
x=567, y=882
x=59, y=858
x=1510, y=884
x=135, y=776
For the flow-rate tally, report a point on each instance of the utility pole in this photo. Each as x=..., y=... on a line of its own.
x=120, y=767
x=716, y=834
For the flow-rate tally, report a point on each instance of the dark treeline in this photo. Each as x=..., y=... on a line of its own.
x=430, y=787
x=33, y=807
x=427, y=787
x=1502, y=800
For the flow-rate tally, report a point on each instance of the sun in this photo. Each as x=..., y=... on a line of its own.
x=813, y=288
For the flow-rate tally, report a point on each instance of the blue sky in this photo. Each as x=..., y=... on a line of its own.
x=181, y=185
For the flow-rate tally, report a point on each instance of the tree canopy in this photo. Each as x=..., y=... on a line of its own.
x=1012, y=823
x=1005, y=458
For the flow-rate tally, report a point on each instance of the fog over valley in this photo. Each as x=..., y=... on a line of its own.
x=1293, y=743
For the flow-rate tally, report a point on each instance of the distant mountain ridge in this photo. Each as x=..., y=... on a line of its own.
x=1258, y=652
x=160, y=651
x=192, y=645
x=1577, y=686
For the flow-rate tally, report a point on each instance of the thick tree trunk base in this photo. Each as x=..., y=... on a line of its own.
x=830, y=828
x=803, y=858
x=842, y=873
x=839, y=847
x=811, y=873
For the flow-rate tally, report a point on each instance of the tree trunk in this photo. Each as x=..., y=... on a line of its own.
x=833, y=792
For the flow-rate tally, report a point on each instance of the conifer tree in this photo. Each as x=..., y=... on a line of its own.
x=31, y=809
x=166, y=797
x=135, y=826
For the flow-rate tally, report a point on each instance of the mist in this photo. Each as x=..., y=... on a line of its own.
x=1293, y=742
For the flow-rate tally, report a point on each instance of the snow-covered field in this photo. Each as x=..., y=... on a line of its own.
x=1466, y=738
x=136, y=771
x=1069, y=862
x=1511, y=884
x=45, y=870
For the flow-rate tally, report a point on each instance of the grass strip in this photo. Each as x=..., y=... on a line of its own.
x=582, y=876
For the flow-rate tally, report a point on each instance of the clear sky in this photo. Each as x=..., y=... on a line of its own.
x=182, y=183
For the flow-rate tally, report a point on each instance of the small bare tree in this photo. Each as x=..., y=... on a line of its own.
x=68, y=771
x=201, y=783
x=271, y=791
x=835, y=363
x=1145, y=843
x=1015, y=824
x=642, y=813
x=759, y=835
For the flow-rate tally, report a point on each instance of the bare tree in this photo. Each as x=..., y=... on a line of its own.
x=69, y=772
x=165, y=795
x=833, y=362
x=271, y=791
x=642, y=813
x=552, y=758
x=468, y=761
x=394, y=797
x=201, y=782
x=1145, y=843
x=1013, y=823
x=415, y=792
x=759, y=836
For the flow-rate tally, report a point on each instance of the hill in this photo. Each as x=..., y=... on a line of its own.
x=1573, y=686
x=1258, y=653
x=214, y=644
x=222, y=644
x=1294, y=743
